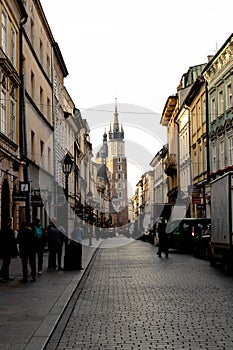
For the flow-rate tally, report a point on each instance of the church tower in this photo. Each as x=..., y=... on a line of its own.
x=116, y=164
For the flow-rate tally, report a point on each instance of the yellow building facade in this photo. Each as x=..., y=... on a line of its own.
x=196, y=102
x=13, y=17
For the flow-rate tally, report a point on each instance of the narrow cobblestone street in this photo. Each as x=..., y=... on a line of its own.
x=128, y=298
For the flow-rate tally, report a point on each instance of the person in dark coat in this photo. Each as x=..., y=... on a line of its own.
x=27, y=251
x=56, y=238
x=163, y=238
x=73, y=258
x=8, y=250
x=40, y=244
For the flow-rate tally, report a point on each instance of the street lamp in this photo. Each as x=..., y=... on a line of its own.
x=67, y=165
x=67, y=168
x=89, y=197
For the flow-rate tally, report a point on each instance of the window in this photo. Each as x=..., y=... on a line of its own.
x=193, y=118
x=214, y=168
x=13, y=46
x=205, y=156
x=203, y=111
x=119, y=167
x=48, y=109
x=48, y=65
x=230, y=151
x=198, y=116
x=220, y=102
x=12, y=119
x=41, y=100
x=229, y=96
x=41, y=52
x=49, y=160
x=41, y=152
x=221, y=154
x=4, y=32
x=213, y=110
x=3, y=111
x=195, y=163
x=32, y=85
x=32, y=146
x=32, y=32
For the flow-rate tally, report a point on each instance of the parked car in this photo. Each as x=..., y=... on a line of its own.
x=182, y=232
x=201, y=243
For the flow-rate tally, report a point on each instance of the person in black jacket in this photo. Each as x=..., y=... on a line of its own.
x=40, y=244
x=27, y=250
x=163, y=238
x=8, y=250
x=56, y=238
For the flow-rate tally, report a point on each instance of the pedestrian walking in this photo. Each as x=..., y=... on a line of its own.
x=163, y=238
x=8, y=250
x=40, y=237
x=27, y=251
x=73, y=258
x=56, y=238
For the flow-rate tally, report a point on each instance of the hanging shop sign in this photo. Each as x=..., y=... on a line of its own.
x=36, y=199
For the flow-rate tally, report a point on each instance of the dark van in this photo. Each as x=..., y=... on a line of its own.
x=183, y=231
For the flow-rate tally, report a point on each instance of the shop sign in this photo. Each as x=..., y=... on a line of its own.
x=36, y=199
x=196, y=200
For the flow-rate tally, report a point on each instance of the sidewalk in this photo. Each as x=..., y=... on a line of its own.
x=29, y=312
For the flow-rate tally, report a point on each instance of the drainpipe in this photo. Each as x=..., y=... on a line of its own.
x=22, y=121
x=54, y=140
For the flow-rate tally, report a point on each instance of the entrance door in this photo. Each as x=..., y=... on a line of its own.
x=5, y=203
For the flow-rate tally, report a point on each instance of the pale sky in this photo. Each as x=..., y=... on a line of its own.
x=136, y=51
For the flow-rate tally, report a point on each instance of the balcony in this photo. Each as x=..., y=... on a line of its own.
x=170, y=165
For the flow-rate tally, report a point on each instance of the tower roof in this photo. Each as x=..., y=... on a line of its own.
x=103, y=151
x=115, y=132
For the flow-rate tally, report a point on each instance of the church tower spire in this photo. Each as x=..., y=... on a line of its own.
x=116, y=122
x=116, y=132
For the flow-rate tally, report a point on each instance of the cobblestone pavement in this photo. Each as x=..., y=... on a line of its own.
x=129, y=298
x=29, y=312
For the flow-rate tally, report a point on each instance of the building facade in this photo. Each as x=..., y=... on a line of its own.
x=200, y=191
x=219, y=77
x=13, y=17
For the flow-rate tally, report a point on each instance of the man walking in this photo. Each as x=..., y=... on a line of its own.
x=56, y=238
x=8, y=250
x=40, y=240
x=27, y=251
x=74, y=251
x=163, y=238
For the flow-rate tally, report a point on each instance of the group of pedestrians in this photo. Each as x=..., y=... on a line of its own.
x=29, y=244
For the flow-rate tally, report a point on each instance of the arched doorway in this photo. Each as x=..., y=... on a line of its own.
x=5, y=203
